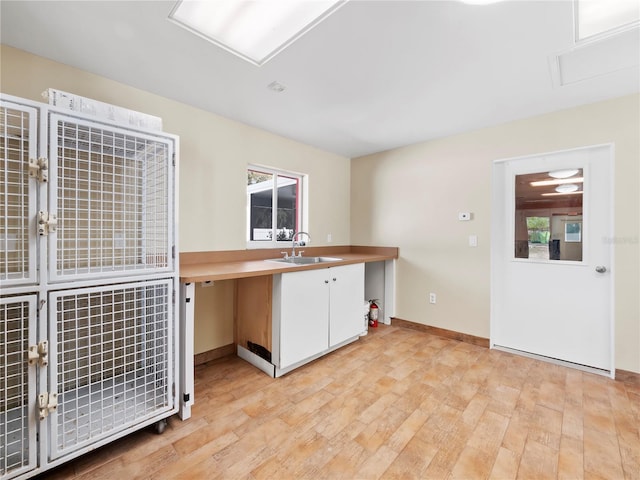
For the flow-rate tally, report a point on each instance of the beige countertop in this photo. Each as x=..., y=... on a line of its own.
x=230, y=264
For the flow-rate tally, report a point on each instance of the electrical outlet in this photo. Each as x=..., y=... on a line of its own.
x=432, y=298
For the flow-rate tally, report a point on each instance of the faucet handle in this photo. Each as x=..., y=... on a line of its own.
x=300, y=252
x=286, y=254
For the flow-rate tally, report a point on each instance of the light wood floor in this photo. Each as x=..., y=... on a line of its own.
x=396, y=404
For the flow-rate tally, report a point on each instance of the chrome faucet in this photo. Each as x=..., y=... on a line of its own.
x=295, y=243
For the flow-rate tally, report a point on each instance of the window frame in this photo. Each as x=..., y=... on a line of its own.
x=567, y=237
x=301, y=205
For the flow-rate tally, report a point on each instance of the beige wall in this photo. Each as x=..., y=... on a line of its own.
x=409, y=197
x=214, y=153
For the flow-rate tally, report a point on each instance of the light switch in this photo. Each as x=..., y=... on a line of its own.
x=473, y=240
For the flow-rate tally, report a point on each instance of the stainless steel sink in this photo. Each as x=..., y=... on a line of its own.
x=304, y=260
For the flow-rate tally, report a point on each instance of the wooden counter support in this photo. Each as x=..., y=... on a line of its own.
x=253, y=311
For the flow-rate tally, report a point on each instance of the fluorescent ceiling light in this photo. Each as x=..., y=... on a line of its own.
x=558, y=181
x=579, y=192
x=599, y=16
x=255, y=30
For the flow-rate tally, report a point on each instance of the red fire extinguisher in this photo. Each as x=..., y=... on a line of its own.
x=373, y=313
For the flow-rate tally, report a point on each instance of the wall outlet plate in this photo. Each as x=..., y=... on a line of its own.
x=464, y=216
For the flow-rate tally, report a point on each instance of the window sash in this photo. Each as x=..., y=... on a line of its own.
x=283, y=187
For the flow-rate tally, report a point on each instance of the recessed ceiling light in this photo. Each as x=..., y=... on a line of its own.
x=563, y=173
x=255, y=30
x=567, y=188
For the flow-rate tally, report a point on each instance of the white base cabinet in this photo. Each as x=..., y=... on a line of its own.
x=315, y=311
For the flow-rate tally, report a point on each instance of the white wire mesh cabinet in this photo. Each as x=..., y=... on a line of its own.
x=88, y=279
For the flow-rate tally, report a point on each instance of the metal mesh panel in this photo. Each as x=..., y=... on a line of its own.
x=14, y=385
x=113, y=213
x=14, y=192
x=112, y=359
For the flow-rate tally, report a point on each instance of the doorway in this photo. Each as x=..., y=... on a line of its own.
x=552, y=285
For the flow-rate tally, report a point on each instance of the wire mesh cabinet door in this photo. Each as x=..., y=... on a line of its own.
x=112, y=361
x=17, y=386
x=18, y=193
x=110, y=189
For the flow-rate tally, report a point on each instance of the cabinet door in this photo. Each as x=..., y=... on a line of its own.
x=346, y=299
x=112, y=364
x=18, y=424
x=18, y=195
x=111, y=189
x=304, y=315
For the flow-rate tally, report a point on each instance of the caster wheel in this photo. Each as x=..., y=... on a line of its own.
x=160, y=426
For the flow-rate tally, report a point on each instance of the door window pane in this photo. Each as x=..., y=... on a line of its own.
x=548, y=215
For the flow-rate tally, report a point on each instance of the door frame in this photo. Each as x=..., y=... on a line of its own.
x=498, y=235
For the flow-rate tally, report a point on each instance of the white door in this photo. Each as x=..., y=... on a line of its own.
x=551, y=292
x=345, y=302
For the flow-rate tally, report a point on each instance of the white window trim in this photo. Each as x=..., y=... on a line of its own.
x=302, y=211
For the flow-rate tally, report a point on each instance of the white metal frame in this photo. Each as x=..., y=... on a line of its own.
x=39, y=289
x=100, y=340
x=117, y=191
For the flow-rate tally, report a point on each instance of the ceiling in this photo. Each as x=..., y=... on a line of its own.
x=373, y=76
x=530, y=197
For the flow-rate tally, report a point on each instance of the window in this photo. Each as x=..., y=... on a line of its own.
x=573, y=232
x=274, y=206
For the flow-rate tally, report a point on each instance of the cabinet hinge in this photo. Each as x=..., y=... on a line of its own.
x=173, y=252
x=39, y=168
x=39, y=353
x=173, y=159
x=47, y=403
x=47, y=223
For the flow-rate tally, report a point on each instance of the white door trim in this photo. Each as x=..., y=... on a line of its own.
x=498, y=225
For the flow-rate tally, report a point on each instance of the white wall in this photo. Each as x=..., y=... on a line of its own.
x=214, y=153
x=409, y=197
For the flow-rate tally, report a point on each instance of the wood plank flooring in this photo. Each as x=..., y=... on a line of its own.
x=396, y=404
